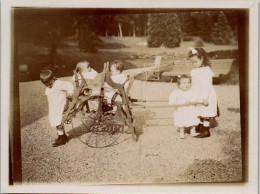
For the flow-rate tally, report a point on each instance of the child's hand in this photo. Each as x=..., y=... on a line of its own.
x=79, y=69
x=205, y=102
x=69, y=97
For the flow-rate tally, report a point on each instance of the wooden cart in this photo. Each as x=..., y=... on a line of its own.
x=103, y=118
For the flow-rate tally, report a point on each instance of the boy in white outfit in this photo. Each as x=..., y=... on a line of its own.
x=57, y=92
x=86, y=70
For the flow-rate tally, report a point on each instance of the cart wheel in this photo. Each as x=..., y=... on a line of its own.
x=102, y=127
x=103, y=134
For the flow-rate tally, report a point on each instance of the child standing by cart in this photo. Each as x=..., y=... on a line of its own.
x=183, y=98
x=57, y=92
x=202, y=85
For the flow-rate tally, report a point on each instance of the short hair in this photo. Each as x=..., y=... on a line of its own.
x=118, y=64
x=180, y=77
x=81, y=64
x=46, y=75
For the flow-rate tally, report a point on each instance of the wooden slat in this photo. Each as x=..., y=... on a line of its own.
x=219, y=66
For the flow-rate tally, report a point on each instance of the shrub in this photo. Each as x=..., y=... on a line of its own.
x=164, y=29
x=204, y=23
x=223, y=54
x=221, y=31
x=198, y=43
x=87, y=39
x=188, y=25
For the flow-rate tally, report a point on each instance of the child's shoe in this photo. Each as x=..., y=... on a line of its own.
x=62, y=139
x=205, y=133
x=198, y=128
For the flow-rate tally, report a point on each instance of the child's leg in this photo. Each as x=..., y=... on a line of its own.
x=206, y=122
x=205, y=129
x=60, y=130
x=181, y=132
x=199, y=126
x=62, y=137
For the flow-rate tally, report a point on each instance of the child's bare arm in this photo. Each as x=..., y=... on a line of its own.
x=195, y=103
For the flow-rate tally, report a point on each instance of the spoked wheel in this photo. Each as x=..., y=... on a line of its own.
x=102, y=124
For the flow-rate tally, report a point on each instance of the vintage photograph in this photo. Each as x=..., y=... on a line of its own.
x=129, y=96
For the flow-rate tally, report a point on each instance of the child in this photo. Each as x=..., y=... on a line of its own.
x=202, y=86
x=117, y=76
x=86, y=70
x=57, y=92
x=184, y=100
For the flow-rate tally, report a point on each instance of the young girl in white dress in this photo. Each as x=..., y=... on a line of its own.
x=183, y=98
x=202, y=85
x=57, y=92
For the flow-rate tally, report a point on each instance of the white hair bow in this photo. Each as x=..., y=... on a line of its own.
x=193, y=50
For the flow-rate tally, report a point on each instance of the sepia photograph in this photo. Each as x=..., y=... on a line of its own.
x=128, y=96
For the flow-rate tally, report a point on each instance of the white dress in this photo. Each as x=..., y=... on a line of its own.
x=57, y=99
x=202, y=86
x=184, y=116
x=109, y=91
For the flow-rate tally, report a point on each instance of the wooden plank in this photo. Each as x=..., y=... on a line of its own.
x=219, y=66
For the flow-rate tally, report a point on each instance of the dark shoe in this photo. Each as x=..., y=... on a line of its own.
x=62, y=139
x=198, y=128
x=58, y=139
x=204, y=133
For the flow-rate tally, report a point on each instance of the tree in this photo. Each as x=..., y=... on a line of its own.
x=164, y=29
x=43, y=29
x=221, y=30
x=204, y=24
x=188, y=26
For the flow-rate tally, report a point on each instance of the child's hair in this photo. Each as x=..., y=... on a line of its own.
x=118, y=64
x=202, y=54
x=46, y=75
x=180, y=77
x=82, y=65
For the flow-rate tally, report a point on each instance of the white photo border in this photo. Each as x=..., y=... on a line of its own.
x=249, y=187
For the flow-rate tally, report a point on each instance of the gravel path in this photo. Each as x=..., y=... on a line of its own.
x=159, y=156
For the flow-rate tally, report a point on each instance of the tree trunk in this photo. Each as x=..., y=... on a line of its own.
x=76, y=35
x=133, y=29
x=120, y=30
x=54, y=45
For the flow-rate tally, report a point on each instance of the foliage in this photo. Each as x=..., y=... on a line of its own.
x=198, y=43
x=87, y=39
x=205, y=22
x=223, y=54
x=188, y=26
x=164, y=29
x=221, y=32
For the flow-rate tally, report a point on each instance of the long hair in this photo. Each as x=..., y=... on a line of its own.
x=202, y=54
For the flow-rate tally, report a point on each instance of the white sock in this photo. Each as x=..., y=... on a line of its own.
x=206, y=123
x=60, y=132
